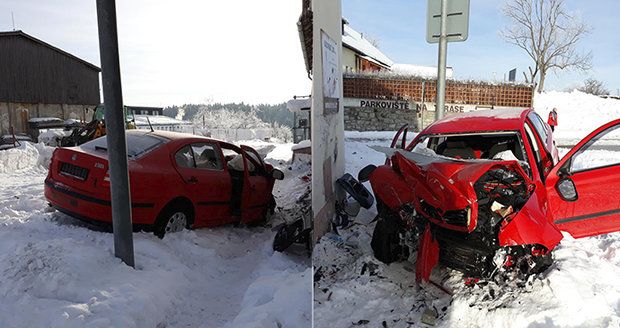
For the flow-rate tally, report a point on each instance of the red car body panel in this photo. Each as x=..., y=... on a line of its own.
x=428, y=256
x=597, y=209
x=531, y=226
x=155, y=180
x=447, y=184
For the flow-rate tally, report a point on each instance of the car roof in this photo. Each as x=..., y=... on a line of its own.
x=171, y=135
x=505, y=119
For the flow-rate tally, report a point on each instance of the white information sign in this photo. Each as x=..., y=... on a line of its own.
x=331, y=74
x=457, y=20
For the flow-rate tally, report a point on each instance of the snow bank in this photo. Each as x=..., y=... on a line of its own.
x=24, y=157
x=578, y=113
x=280, y=297
x=371, y=135
x=51, y=136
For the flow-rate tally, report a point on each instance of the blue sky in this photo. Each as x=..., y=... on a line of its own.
x=400, y=27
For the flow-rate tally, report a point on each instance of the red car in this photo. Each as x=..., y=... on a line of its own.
x=177, y=181
x=484, y=191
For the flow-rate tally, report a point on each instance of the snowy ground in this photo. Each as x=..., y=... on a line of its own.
x=353, y=289
x=55, y=272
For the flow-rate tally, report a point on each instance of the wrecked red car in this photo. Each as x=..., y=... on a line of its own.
x=484, y=191
x=177, y=181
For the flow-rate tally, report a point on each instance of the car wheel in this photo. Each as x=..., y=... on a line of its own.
x=170, y=221
x=386, y=243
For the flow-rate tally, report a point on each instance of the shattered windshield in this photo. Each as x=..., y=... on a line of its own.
x=499, y=146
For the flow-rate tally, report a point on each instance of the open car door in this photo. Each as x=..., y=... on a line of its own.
x=403, y=140
x=257, y=184
x=584, y=187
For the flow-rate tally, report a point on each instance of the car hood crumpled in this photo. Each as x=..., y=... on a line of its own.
x=444, y=184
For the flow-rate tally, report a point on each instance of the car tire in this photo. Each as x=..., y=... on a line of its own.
x=172, y=219
x=386, y=243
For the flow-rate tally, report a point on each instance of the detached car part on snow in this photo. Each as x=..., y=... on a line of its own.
x=481, y=192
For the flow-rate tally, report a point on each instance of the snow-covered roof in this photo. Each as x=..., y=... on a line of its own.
x=423, y=71
x=353, y=39
x=302, y=144
x=299, y=104
x=45, y=119
x=141, y=120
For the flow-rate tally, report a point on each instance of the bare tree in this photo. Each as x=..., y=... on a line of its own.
x=549, y=35
x=594, y=87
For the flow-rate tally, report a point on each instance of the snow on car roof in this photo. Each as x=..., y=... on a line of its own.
x=505, y=119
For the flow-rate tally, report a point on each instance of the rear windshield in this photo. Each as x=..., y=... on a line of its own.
x=137, y=144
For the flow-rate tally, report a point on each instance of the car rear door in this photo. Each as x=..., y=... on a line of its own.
x=201, y=165
x=584, y=187
x=256, y=187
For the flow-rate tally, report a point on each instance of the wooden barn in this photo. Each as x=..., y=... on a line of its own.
x=38, y=80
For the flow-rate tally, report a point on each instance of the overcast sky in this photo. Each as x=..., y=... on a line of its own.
x=188, y=51
x=185, y=51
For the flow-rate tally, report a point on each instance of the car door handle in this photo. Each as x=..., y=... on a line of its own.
x=192, y=180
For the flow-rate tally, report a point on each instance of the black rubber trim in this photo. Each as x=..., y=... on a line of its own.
x=587, y=216
x=214, y=203
x=93, y=199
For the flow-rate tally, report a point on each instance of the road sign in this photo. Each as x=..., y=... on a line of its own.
x=457, y=22
x=512, y=75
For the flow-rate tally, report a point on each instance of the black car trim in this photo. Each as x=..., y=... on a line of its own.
x=587, y=216
x=92, y=199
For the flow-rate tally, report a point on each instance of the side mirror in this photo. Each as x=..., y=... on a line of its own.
x=364, y=174
x=566, y=189
x=277, y=174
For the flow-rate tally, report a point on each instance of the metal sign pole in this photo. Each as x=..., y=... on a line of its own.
x=441, y=66
x=115, y=126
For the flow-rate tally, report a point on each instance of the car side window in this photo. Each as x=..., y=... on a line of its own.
x=600, y=151
x=207, y=156
x=539, y=126
x=184, y=157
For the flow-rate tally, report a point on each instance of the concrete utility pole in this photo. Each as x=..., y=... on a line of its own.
x=115, y=126
x=441, y=66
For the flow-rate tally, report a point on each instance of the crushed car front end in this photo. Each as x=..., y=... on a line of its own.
x=472, y=215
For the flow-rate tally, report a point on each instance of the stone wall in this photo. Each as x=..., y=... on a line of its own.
x=374, y=119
